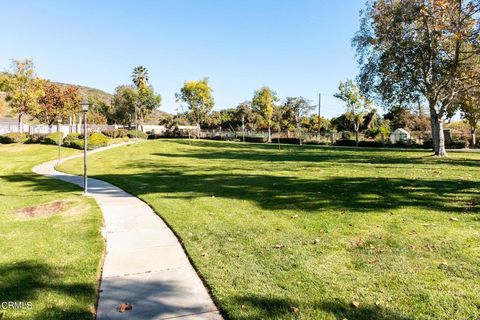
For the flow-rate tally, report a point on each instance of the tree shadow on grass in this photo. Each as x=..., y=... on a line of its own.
x=262, y=307
x=42, y=185
x=292, y=153
x=357, y=194
x=27, y=281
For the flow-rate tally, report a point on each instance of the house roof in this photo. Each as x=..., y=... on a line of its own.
x=401, y=130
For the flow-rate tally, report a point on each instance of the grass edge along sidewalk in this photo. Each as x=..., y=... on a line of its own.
x=304, y=232
x=50, y=242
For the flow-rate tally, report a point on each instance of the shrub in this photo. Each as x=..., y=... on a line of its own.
x=36, y=138
x=116, y=133
x=256, y=139
x=370, y=144
x=154, y=136
x=73, y=140
x=96, y=140
x=455, y=144
x=345, y=143
x=287, y=140
x=139, y=134
x=52, y=138
x=317, y=143
x=427, y=144
x=458, y=144
x=13, y=137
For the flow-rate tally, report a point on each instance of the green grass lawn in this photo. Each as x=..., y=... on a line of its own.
x=302, y=232
x=50, y=242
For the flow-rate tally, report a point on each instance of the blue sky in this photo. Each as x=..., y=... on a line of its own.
x=298, y=48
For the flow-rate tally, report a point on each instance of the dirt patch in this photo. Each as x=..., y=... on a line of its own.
x=43, y=210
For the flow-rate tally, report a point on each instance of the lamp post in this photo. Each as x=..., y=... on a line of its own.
x=136, y=125
x=59, y=136
x=85, y=105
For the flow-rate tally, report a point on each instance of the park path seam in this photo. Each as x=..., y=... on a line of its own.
x=144, y=265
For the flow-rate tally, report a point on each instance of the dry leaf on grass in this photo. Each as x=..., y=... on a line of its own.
x=294, y=309
x=355, y=304
x=279, y=246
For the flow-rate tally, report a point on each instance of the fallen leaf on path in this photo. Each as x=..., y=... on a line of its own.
x=124, y=307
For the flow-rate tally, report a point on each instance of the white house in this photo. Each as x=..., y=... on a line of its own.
x=399, y=135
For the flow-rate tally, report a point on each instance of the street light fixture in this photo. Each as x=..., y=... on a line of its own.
x=85, y=105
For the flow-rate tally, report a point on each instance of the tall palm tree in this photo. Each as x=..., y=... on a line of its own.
x=140, y=76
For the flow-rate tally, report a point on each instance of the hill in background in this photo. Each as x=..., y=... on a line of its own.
x=87, y=91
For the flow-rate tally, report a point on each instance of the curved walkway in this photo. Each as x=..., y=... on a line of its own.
x=144, y=265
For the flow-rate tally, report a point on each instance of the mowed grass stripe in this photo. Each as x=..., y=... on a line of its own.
x=301, y=232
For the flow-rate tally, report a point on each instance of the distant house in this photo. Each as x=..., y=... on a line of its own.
x=399, y=135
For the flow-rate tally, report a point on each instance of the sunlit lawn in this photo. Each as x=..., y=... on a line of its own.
x=49, y=253
x=303, y=232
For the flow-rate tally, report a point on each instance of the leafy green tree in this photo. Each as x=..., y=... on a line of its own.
x=145, y=99
x=263, y=103
x=299, y=107
x=417, y=50
x=469, y=104
x=199, y=99
x=23, y=90
x=278, y=121
x=313, y=125
x=246, y=116
x=356, y=104
x=123, y=105
x=401, y=117
x=101, y=111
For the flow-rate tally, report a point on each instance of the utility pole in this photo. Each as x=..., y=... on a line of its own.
x=319, y=108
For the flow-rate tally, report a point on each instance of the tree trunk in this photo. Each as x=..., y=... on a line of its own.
x=432, y=125
x=20, y=122
x=269, y=133
x=474, y=138
x=198, y=130
x=439, y=138
x=357, y=134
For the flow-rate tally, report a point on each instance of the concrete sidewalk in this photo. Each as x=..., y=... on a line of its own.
x=145, y=265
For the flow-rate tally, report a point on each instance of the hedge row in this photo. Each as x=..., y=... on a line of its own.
x=72, y=140
x=456, y=144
